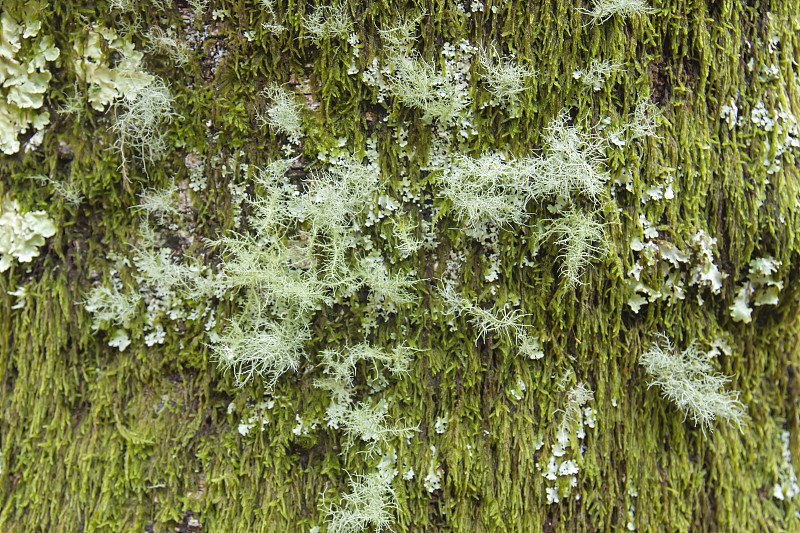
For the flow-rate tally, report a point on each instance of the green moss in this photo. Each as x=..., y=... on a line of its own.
x=95, y=439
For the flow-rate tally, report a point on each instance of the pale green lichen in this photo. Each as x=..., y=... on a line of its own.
x=160, y=203
x=577, y=397
x=486, y=321
x=367, y=423
x=596, y=74
x=93, y=65
x=504, y=322
x=644, y=119
x=417, y=83
x=68, y=191
x=402, y=35
x=581, y=238
x=283, y=113
x=361, y=421
x=110, y=306
x=199, y=7
x=165, y=42
x=272, y=24
x=119, y=339
x=24, y=79
x=396, y=288
x=504, y=77
x=488, y=188
x=140, y=114
x=688, y=379
x=605, y=9
x=573, y=163
x=257, y=346
x=369, y=503
x=301, y=256
x=328, y=22
x=21, y=234
x=407, y=240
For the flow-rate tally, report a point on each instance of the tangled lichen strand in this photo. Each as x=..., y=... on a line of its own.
x=164, y=420
x=688, y=379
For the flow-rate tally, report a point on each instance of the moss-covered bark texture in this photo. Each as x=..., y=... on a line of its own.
x=146, y=439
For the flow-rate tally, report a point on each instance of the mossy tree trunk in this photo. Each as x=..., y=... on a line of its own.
x=98, y=439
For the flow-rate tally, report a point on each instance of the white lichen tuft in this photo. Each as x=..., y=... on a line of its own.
x=395, y=288
x=69, y=191
x=368, y=423
x=407, y=241
x=530, y=346
x=302, y=255
x=335, y=196
x=361, y=421
x=198, y=7
x=159, y=202
x=644, y=120
x=689, y=380
x=507, y=323
x=270, y=272
x=488, y=188
x=505, y=78
x=109, y=305
x=272, y=25
x=581, y=238
x=340, y=365
x=605, y=9
x=577, y=397
x=492, y=189
x=417, y=83
x=159, y=41
x=283, y=115
x=140, y=115
x=573, y=162
x=485, y=321
x=369, y=503
x=401, y=36
x=596, y=74
x=329, y=22
x=122, y=5
x=261, y=347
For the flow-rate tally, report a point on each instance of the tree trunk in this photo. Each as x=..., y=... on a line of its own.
x=157, y=437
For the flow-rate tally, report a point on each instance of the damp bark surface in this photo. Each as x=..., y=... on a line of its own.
x=148, y=438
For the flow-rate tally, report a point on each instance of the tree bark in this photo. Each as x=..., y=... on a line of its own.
x=152, y=437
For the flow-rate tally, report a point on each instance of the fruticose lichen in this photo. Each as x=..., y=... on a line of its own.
x=688, y=379
x=272, y=308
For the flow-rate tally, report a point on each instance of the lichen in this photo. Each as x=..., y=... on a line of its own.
x=25, y=59
x=143, y=438
x=22, y=234
x=106, y=79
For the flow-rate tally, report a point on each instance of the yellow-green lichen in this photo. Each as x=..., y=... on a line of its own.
x=21, y=234
x=25, y=57
x=143, y=438
x=107, y=79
